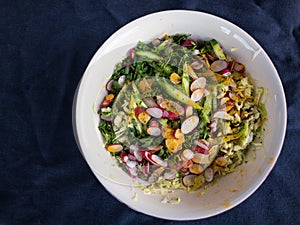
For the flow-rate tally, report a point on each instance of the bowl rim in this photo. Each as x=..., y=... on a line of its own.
x=97, y=54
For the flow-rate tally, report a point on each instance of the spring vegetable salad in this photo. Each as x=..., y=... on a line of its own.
x=180, y=113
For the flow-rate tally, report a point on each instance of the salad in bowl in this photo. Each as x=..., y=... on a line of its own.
x=180, y=113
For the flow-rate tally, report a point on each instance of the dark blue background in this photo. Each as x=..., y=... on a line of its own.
x=45, y=47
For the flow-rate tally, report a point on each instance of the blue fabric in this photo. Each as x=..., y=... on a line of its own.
x=45, y=47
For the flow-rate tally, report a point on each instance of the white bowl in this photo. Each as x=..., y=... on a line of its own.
x=232, y=189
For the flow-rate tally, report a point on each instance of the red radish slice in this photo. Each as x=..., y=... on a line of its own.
x=239, y=67
x=138, y=156
x=185, y=171
x=196, y=65
x=187, y=154
x=114, y=147
x=201, y=150
x=188, y=111
x=223, y=115
x=178, y=107
x=230, y=65
x=150, y=102
x=131, y=164
x=209, y=174
x=178, y=134
x=106, y=103
x=198, y=83
x=132, y=172
x=197, y=95
x=170, y=174
x=131, y=53
x=156, y=42
x=108, y=85
x=146, y=169
x=213, y=126
x=159, y=99
x=189, y=180
x=206, y=92
x=108, y=119
x=154, y=123
x=189, y=124
x=155, y=112
x=121, y=80
x=131, y=157
x=153, y=149
x=202, y=143
x=154, y=159
x=170, y=115
x=188, y=43
x=154, y=131
x=124, y=157
x=133, y=148
x=226, y=72
x=218, y=65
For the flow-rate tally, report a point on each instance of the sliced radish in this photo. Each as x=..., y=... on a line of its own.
x=159, y=99
x=209, y=174
x=146, y=169
x=108, y=85
x=226, y=72
x=114, y=147
x=185, y=171
x=154, y=159
x=189, y=124
x=201, y=150
x=138, y=156
x=223, y=115
x=188, y=111
x=131, y=53
x=187, y=154
x=187, y=163
x=132, y=171
x=197, y=95
x=239, y=67
x=154, y=131
x=155, y=112
x=154, y=123
x=133, y=148
x=198, y=83
x=131, y=164
x=108, y=119
x=156, y=42
x=178, y=134
x=106, y=103
x=124, y=157
x=189, y=180
x=187, y=43
x=218, y=65
x=170, y=174
x=178, y=107
x=213, y=126
x=150, y=102
x=153, y=149
x=170, y=115
x=206, y=92
x=131, y=157
x=203, y=144
x=121, y=80
x=196, y=65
